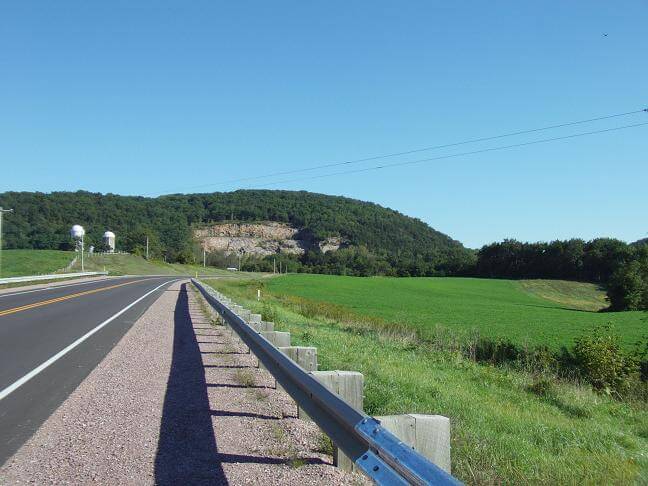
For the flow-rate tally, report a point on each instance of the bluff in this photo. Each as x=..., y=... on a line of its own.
x=262, y=239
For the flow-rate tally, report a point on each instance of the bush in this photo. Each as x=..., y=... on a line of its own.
x=628, y=287
x=602, y=362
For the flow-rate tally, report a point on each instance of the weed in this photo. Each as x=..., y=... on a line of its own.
x=245, y=378
x=324, y=444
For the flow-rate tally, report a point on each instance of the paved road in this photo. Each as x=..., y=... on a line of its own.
x=51, y=339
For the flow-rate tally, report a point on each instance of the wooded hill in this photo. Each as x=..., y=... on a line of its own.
x=381, y=240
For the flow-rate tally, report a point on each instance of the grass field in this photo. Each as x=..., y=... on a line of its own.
x=19, y=263
x=508, y=426
x=526, y=312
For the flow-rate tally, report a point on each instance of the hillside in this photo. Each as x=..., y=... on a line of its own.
x=19, y=263
x=378, y=240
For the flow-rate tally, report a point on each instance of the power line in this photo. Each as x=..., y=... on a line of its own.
x=441, y=157
x=412, y=151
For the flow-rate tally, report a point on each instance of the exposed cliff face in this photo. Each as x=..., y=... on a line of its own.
x=262, y=239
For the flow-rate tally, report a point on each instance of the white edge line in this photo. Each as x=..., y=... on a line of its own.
x=18, y=383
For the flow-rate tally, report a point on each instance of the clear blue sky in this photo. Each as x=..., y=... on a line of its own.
x=165, y=96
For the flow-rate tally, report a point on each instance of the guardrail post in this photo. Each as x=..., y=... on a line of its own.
x=306, y=357
x=427, y=434
x=262, y=326
x=277, y=338
x=349, y=385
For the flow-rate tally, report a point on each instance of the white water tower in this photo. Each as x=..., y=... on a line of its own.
x=77, y=232
x=109, y=241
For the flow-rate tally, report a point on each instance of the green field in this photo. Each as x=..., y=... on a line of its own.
x=19, y=263
x=508, y=426
x=526, y=312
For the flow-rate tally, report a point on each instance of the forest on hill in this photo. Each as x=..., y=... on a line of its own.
x=382, y=241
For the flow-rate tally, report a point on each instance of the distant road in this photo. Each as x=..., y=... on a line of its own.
x=50, y=340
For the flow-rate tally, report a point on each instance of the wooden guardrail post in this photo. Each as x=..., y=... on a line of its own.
x=349, y=385
x=427, y=434
x=277, y=338
x=306, y=357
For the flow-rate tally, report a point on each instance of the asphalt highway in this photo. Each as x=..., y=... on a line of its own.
x=51, y=339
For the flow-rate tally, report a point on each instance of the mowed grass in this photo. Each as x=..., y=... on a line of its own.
x=525, y=312
x=124, y=264
x=502, y=431
x=572, y=295
x=20, y=263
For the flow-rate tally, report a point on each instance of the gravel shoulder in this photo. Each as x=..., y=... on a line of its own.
x=176, y=401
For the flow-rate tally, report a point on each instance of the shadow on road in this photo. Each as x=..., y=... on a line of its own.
x=187, y=450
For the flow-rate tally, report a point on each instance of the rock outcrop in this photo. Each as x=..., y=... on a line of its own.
x=262, y=239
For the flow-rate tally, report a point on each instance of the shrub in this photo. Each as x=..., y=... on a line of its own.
x=628, y=287
x=602, y=362
x=269, y=312
x=542, y=387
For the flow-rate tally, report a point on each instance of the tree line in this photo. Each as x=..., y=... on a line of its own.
x=620, y=267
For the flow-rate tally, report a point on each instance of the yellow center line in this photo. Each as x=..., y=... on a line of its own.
x=61, y=299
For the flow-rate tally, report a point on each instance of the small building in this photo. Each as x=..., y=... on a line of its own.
x=109, y=241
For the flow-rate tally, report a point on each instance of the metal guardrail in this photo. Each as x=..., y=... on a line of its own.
x=54, y=276
x=376, y=451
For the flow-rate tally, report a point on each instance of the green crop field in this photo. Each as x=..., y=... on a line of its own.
x=19, y=263
x=508, y=426
x=526, y=312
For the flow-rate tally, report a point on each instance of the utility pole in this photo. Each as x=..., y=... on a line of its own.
x=274, y=265
x=147, y=247
x=204, y=258
x=2, y=211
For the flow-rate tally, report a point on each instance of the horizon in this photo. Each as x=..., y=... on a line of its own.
x=135, y=100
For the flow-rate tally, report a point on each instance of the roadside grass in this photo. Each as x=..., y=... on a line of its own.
x=508, y=426
x=494, y=308
x=20, y=263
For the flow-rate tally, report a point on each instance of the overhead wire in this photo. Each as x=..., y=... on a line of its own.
x=462, y=154
x=418, y=150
